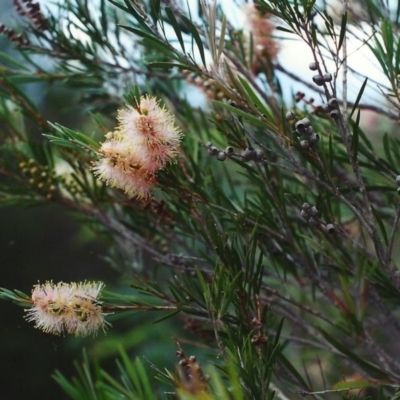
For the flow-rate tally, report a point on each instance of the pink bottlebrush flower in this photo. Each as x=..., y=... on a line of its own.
x=260, y=26
x=67, y=307
x=145, y=140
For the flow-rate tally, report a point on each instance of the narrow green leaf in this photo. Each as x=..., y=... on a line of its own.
x=12, y=61
x=155, y=10
x=281, y=28
x=331, y=159
x=119, y=5
x=196, y=37
x=365, y=139
x=59, y=141
x=360, y=93
x=386, y=148
x=253, y=120
x=343, y=28
x=381, y=225
x=354, y=139
x=255, y=99
x=293, y=371
x=137, y=15
x=161, y=46
x=175, y=26
x=221, y=38
x=357, y=384
x=168, y=65
x=372, y=369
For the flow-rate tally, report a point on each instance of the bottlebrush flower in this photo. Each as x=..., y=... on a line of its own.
x=67, y=307
x=145, y=140
x=260, y=27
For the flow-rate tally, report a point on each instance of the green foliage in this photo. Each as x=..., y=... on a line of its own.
x=273, y=235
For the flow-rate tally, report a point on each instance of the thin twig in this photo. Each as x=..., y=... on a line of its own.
x=389, y=250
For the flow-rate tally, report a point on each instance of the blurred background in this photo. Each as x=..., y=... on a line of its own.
x=47, y=243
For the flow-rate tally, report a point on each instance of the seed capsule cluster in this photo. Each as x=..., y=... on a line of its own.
x=312, y=215
x=319, y=79
x=248, y=154
x=322, y=79
x=304, y=129
x=40, y=177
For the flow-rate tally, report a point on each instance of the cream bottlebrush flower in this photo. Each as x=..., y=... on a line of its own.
x=145, y=140
x=134, y=182
x=67, y=307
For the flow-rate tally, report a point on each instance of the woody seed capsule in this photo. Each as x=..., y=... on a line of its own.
x=221, y=156
x=229, y=150
x=327, y=77
x=334, y=114
x=259, y=155
x=313, y=139
x=314, y=211
x=333, y=103
x=248, y=154
x=309, y=130
x=318, y=80
x=313, y=66
x=305, y=144
x=304, y=214
x=302, y=124
x=330, y=228
x=312, y=222
x=398, y=180
x=290, y=115
x=213, y=151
